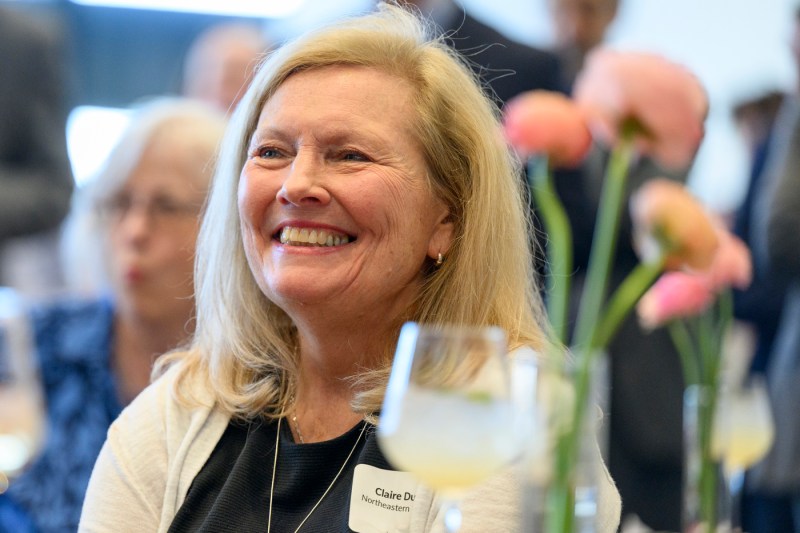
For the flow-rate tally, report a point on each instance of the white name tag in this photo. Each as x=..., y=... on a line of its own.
x=381, y=500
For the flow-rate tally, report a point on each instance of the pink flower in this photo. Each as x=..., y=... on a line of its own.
x=543, y=122
x=674, y=295
x=662, y=100
x=668, y=219
x=732, y=265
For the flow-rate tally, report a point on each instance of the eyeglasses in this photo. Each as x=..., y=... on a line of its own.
x=160, y=210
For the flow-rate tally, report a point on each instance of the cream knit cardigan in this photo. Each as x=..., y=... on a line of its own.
x=157, y=446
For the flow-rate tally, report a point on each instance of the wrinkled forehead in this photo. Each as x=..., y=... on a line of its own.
x=379, y=100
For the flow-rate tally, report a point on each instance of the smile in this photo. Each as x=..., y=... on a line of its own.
x=312, y=237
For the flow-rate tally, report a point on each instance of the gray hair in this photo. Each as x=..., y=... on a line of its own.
x=83, y=242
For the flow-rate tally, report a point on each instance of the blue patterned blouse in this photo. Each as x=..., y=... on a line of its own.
x=74, y=348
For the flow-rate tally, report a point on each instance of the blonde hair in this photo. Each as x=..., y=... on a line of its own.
x=244, y=346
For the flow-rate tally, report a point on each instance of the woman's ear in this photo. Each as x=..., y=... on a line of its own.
x=442, y=236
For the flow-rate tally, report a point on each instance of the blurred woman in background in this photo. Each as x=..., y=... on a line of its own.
x=132, y=233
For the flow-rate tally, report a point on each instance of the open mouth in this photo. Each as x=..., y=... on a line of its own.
x=312, y=237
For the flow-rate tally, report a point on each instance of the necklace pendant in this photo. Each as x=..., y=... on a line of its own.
x=297, y=429
x=335, y=478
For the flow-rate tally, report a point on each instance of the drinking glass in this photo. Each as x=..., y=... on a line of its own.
x=744, y=432
x=22, y=418
x=448, y=416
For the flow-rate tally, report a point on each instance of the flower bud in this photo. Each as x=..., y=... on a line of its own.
x=667, y=219
x=547, y=123
x=663, y=102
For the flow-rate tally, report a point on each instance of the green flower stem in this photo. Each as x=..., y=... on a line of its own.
x=711, y=328
x=725, y=303
x=559, y=243
x=561, y=493
x=604, y=240
x=690, y=361
x=696, y=333
x=623, y=300
x=708, y=470
x=561, y=500
x=705, y=355
x=561, y=496
x=709, y=349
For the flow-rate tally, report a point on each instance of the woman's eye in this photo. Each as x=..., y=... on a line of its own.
x=267, y=152
x=354, y=156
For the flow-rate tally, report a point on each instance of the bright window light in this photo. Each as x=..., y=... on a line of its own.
x=91, y=134
x=236, y=8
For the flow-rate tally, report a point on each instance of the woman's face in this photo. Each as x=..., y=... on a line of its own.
x=334, y=202
x=152, y=225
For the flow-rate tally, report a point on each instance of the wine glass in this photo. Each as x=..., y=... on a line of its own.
x=448, y=416
x=22, y=418
x=744, y=432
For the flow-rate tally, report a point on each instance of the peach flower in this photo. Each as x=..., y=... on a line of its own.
x=674, y=295
x=662, y=100
x=668, y=219
x=544, y=122
x=732, y=265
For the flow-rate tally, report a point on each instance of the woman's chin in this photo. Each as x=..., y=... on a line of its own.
x=302, y=295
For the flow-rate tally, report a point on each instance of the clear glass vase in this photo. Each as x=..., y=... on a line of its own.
x=561, y=492
x=706, y=504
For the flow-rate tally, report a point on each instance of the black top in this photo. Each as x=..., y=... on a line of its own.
x=231, y=492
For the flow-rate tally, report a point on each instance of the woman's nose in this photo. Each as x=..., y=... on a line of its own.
x=304, y=184
x=137, y=223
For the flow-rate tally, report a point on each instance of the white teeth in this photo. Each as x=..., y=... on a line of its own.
x=306, y=237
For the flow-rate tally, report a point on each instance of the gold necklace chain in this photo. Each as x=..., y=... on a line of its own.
x=296, y=423
x=297, y=429
x=274, y=470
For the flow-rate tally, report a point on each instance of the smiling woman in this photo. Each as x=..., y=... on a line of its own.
x=343, y=163
x=363, y=182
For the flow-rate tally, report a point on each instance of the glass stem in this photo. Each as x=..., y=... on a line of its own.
x=735, y=486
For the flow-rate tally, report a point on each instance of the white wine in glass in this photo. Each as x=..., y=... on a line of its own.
x=743, y=434
x=751, y=429
x=448, y=416
x=22, y=419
